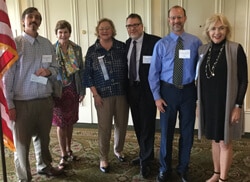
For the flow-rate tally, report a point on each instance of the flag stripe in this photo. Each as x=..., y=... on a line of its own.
x=3, y=6
x=4, y=17
x=8, y=56
x=7, y=41
x=6, y=36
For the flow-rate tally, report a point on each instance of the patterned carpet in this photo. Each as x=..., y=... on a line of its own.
x=85, y=145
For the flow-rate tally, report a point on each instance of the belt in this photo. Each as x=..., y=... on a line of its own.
x=177, y=86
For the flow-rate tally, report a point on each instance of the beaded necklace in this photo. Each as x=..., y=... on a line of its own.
x=210, y=68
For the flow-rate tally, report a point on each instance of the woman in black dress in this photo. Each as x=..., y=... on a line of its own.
x=222, y=84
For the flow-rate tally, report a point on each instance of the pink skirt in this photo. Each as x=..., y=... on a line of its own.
x=65, y=112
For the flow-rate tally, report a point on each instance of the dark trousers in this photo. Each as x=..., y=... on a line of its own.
x=183, y=102
x=33, y=120
x=143, y=112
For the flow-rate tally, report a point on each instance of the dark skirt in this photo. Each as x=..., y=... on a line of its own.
x=65, y=112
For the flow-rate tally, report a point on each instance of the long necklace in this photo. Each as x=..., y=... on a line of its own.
x=210, y=68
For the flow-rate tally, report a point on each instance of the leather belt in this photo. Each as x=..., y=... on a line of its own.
x=178, y=86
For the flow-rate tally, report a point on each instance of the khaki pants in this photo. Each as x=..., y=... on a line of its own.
x=114, y=108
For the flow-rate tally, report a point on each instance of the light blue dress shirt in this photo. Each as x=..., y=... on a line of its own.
x=162, y=62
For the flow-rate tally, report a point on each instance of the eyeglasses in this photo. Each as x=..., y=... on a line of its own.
x=175, y=17
x=130, y=26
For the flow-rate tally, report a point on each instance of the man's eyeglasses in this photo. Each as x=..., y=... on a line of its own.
x=129, y=26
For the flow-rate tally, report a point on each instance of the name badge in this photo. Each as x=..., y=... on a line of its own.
x=47, y=59
x=103, y=67
x=146, y=59
x=184, y=54
x=39, y=79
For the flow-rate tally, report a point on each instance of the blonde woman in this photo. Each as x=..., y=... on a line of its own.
x=222, y=84
x=106, y=76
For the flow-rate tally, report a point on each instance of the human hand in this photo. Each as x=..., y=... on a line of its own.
x=43, y=72
x=12, y=114
x=98, y=100
x=160, y=103
x=81, y=97
x=235, y=115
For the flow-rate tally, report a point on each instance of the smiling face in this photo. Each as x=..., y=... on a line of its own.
x=105, y=31
x=63, y=35
x=134, y=27
x=31, y=22
x=176, y=20
x=217, y=33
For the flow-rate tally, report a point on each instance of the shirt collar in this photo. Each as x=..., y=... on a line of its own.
x=175, y=37
x=30, y=38
x=99, y=46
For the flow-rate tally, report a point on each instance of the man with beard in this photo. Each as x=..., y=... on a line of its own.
x=171, y=79
x=28, y=90
x=140, y=97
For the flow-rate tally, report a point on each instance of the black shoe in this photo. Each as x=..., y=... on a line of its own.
x=163, y=177
x=136, y=161
x=104, y=169
x=145, y=171
x=50, y=171
x=182, y=177
x=120, y=157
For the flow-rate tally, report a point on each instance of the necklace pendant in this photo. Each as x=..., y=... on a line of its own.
x=212, y=74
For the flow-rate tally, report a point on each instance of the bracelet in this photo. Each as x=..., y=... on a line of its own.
x=95, y=95
x=237, y=105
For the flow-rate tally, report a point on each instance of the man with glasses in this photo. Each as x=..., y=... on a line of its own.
x=171, y=79
x=139, y=50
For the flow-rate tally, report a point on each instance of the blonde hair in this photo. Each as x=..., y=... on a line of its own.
x=111, y=24
x=211, y=21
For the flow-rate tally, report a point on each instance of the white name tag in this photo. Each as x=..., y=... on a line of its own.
x=146, y=59
x=39, y=79
x=184, y=54
x=47, y=59
x=104, y=69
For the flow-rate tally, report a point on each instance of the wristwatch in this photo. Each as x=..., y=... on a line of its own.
x=237, y=105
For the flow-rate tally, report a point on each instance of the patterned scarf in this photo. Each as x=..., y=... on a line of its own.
x=67, y=62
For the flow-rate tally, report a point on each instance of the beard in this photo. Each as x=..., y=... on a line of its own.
x=177, y=27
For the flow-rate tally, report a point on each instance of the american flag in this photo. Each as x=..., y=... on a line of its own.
x=8, y=56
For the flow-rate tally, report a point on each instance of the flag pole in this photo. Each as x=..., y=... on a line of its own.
x=2, y=151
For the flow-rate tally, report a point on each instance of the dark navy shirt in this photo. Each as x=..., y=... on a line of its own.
x=106, y=69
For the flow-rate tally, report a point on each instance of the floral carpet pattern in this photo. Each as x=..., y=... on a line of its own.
x=85, y=146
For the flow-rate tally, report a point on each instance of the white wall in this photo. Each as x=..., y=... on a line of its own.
x=84, y=14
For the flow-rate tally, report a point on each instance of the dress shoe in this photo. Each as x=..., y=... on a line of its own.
x=120, y=157
x=136, y=161
x=105, y=169
x=145, y=171
x=63, y=162
x=163, y=177
x=182, y=177
x=51, y=171
x=72, y=157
